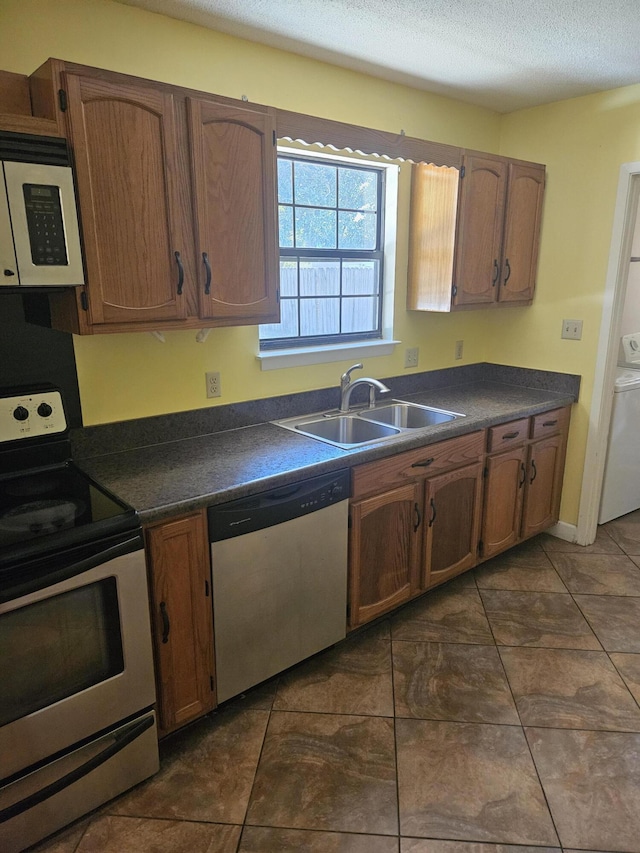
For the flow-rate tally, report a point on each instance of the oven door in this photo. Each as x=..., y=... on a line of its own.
x=75, y=651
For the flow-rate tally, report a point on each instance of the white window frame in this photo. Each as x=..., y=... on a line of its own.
x=320, y=353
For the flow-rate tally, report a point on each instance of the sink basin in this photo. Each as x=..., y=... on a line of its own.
x=367, y=426
x=346, y=430
x=408, y=415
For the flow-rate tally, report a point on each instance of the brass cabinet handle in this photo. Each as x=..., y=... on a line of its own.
x=508, y=266
x=550, y=423
x=496, y=274
x=433, y=512
x=509, y=435
x=535, y=471
x=524, y=475
x=416, y=509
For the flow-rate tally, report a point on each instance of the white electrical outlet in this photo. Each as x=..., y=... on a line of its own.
x=572, y=329
x=411, y=357
x=213, y=384
x=459, y=348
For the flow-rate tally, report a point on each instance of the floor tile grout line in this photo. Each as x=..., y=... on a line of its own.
x=395, y=740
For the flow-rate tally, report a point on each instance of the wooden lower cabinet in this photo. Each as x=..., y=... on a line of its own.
x=182, y=619
x=421, y=529
x=523, y=485
x=505, y=479
x=544, y=485
x=383, y=552
x=452, y=524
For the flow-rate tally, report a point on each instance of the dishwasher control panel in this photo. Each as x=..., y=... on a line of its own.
x=277, y=505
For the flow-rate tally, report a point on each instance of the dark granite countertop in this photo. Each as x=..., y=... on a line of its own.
x=175, y=477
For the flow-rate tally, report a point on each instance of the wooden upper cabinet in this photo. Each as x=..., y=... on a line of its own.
x=479, y=239
x=521, y=232
x=474, y=236
x=233, y=154
x=124, y=142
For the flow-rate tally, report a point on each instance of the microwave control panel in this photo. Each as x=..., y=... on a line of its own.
x=44, y=220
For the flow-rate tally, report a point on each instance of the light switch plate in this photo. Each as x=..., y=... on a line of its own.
x=572, y=329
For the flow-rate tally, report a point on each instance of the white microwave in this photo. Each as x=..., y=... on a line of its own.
x=39, y=231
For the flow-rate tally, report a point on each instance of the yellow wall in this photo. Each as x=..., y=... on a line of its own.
x=582, y=142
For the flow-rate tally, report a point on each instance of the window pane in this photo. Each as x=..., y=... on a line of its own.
x=356, y=230
x=360, y=277
x=285, y=225
x=288, y=278
x=357, y=189
x=319, y=317
x=315, y=184
x=288, y=325
x=315, y=229
x=320, y=278
x=360, y=314
x=285, y=181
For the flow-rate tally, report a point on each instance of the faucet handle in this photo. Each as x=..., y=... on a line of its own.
x=346, y=376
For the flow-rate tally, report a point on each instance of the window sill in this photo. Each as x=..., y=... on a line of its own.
x=275, y=359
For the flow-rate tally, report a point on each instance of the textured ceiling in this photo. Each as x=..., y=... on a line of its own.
x=501, y=54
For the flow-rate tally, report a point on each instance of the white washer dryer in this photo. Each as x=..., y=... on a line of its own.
x=621, y=486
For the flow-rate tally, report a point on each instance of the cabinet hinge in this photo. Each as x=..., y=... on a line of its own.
x=84, y=300
x=485, y=472
x=62, y=100
x=462, y=171
x=211, y=682
x=350, y=522
x=480, y=547
x=454, y=290
x=206, y=588
x=274, y=138
x=278, y=295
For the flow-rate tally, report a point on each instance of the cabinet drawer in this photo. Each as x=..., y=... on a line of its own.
x=376, y=477
x=507, y=435
x=549, y=423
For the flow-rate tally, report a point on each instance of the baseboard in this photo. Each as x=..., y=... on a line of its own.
x=563, y=530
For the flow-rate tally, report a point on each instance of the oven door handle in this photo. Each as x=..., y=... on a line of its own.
x=121, y=740
x=45, y=579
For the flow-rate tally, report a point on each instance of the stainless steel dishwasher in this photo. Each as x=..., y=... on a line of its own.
x=279, y=566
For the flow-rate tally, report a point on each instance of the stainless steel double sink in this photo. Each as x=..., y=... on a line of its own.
x=383, y=422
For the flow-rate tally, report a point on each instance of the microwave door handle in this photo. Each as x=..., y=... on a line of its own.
x=120, y=741
x=41, y=580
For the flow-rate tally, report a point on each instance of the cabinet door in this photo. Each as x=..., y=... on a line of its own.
x=125, y=155
x=521, y=233
x=383, y=552
x=451, y=524
x=179, y=563
x=479, y=237
x=544, y=485
x=505, y=479
x=233, y=152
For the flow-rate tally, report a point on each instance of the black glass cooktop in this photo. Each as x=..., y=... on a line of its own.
x=53, y=507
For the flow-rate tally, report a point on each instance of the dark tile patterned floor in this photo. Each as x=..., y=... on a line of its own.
x=498, y=714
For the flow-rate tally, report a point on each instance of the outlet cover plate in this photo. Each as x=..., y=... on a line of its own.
x=411, y=356
x=213, y=384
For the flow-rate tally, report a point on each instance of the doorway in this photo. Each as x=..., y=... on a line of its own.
x=608, y=347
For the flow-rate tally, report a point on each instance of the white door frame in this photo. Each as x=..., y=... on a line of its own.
x=607, y=356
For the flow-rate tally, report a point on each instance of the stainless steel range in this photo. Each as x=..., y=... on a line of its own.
x=77, y=725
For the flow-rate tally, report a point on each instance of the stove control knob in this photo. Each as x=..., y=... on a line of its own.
x=44, y=410
x=20, y=413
